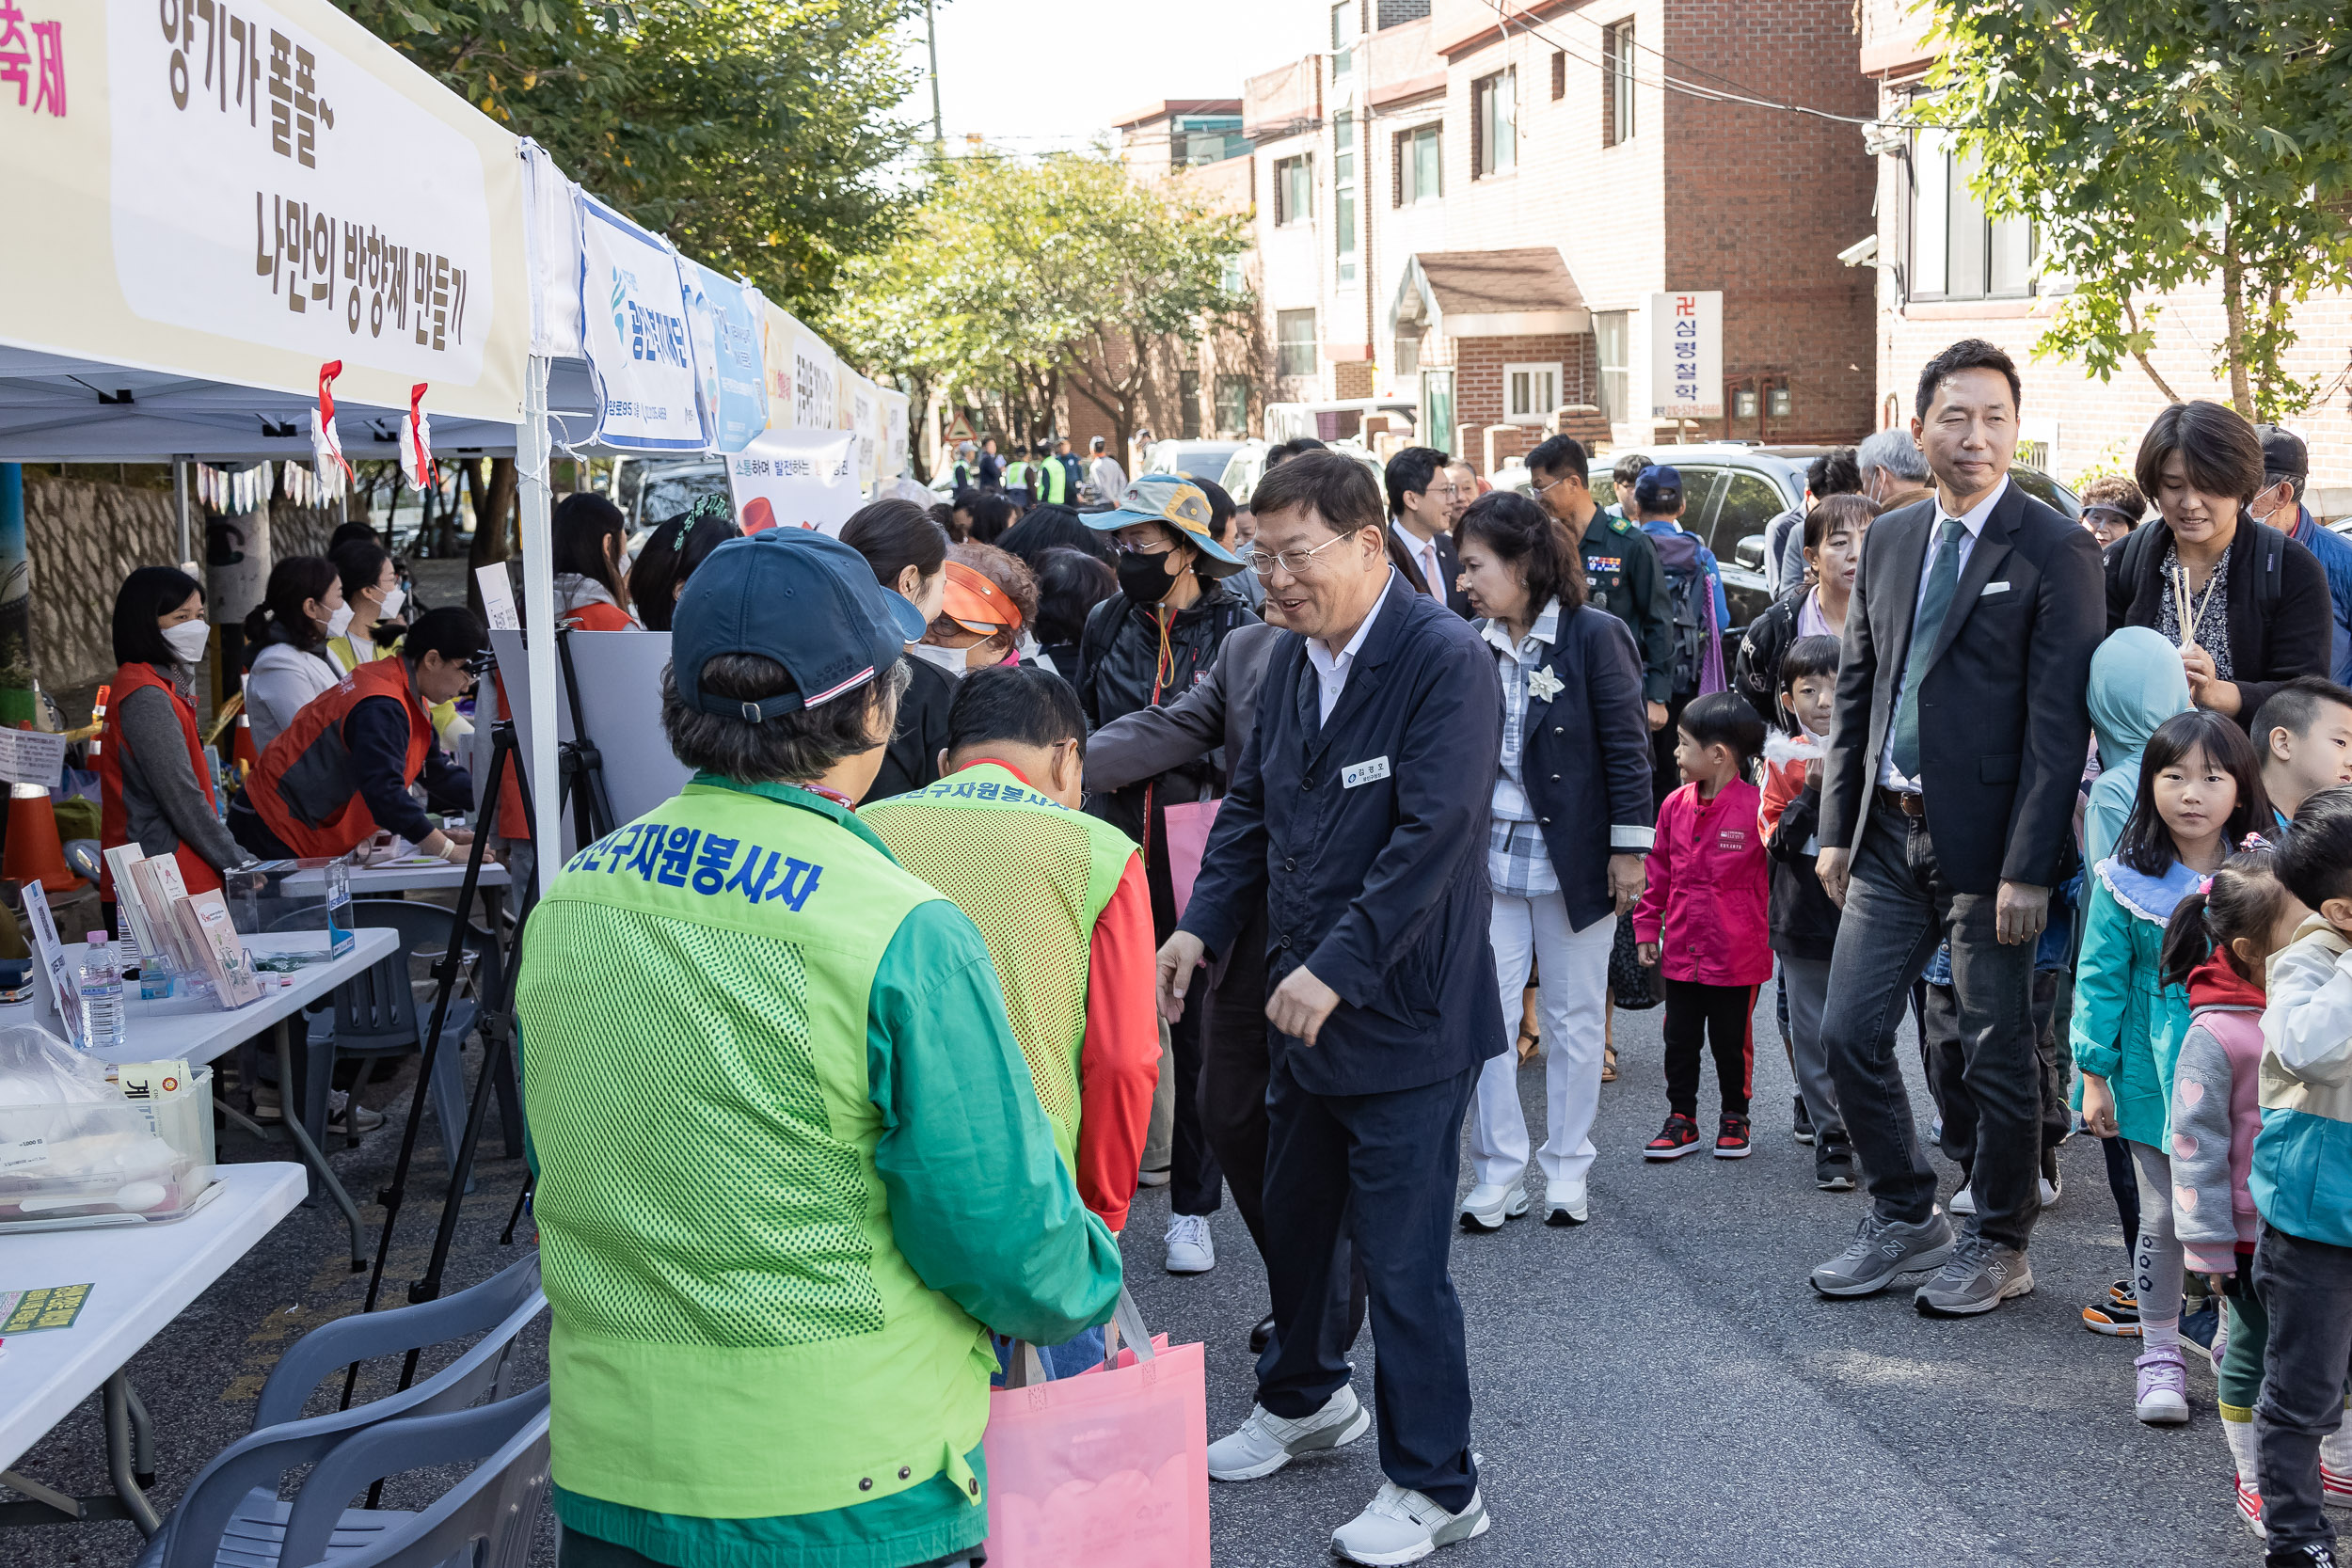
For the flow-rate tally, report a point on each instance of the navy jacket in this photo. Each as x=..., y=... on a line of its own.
x=1379, y=888
x=1585, y=760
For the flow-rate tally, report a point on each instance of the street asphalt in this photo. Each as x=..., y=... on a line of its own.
x=1660, y=1386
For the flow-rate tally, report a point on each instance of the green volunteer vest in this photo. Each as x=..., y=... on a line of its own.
x=736, y=1335
x=1034, y=876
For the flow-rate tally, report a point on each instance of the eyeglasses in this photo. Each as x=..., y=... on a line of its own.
x=1291, y=562
x=1158, y=547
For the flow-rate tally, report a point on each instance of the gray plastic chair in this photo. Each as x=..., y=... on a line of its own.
x=231, y=1516
x=375, y=1015
x=486, y=1520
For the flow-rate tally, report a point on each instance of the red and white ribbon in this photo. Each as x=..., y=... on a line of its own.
x=327, y=446
x=416, y=441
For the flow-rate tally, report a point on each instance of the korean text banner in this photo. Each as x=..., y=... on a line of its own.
x=1686, y=349
x=895, y=412
x=239, y=190
x=633, y=320
x=795, y=479
x=726, y=319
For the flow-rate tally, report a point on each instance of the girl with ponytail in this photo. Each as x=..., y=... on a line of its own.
x=2218, y=947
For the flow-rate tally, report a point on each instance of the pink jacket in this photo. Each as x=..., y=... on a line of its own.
x=1707, y=903
x=2217, y=1110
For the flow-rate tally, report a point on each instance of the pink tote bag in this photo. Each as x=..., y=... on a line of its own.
x=1108, y=1467
x=1188, y=825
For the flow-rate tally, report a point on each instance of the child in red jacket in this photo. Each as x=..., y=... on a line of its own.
x=1704, y=921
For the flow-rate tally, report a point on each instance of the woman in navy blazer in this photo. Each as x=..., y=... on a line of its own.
x=1571, y=820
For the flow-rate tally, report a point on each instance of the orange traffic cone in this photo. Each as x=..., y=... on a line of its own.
x=33, y=854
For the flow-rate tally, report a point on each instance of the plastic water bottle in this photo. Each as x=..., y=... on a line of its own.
x=102, y=996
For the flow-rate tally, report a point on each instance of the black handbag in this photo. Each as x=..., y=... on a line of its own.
x=1633, y=983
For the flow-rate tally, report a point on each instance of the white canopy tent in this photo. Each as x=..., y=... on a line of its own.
x=231, y=201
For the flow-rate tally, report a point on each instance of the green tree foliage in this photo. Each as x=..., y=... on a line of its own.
x=754, y=133
x=1019, y=285
x=2160, y=145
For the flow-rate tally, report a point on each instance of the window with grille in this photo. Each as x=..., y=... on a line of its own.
x=1531, y=392
x=1342, y=35
x=1294, y=190
x=1417, y=167
x=1188, y=405
x=1617, y=58
x=1343, y=192
x=1494, y=124
x=1408, y=357
x=1295, y=342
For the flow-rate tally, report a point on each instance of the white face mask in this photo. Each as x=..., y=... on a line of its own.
x=340, y=622
x=187, y=639
x=393, y=601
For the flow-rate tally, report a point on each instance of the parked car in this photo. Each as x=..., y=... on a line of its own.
x=1193, y=459
x=1247, y=467
x=1732, y=491
x=666, y=489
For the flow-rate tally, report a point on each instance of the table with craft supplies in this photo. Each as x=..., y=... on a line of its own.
x=138, y=1277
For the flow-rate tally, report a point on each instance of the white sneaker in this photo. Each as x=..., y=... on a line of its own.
x=2050, y=1189
x=1266, y=1442
x=1405, y=1526
x=1490, y=1203
x=1964, y=1202
x=1564, y=1203
x=1189, y=1249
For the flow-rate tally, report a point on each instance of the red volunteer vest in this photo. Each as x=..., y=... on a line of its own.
x=305, y=788
x=113, y=820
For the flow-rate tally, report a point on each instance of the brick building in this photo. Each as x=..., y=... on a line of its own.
x=1944, y=272
x=1468, y=210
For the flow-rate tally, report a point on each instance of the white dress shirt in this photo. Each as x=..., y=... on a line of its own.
x=1425, y=554
x=1331, y=668
x=1972, y=521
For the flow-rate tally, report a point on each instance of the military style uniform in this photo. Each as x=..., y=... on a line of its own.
x=1623, y=577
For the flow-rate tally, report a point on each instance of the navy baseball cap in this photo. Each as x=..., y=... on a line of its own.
x=1656, y=480
x=802, y=598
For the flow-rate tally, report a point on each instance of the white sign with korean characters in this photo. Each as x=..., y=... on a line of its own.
x=1686, y=355
x=795, y=479
x=633, y=320
x=239, y=191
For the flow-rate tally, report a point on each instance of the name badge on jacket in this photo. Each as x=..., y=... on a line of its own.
x=1364, y=772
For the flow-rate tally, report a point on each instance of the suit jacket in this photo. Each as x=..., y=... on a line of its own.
x=1585, y=760
x=1450, y=563
x=1380, y=889
x=2003, y=726
x=1218, y=712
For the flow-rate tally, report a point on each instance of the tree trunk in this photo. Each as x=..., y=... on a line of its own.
x=2233, y=309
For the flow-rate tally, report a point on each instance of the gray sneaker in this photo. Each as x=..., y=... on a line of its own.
x=1981, y=1275
x=1883, y=1249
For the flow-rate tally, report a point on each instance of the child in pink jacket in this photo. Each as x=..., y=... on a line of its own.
x=1705, y=920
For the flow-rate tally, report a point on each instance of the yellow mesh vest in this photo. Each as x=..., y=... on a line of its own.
x=1034, y=876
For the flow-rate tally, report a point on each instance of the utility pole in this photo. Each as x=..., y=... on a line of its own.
x=930, y=33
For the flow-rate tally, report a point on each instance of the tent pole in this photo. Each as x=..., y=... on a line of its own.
x=180, y=503
x=531, y=473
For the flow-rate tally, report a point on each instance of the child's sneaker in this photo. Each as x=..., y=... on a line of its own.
x=2243, y=1462
x=1731, y=1139
x=2204, y=1332
x=2118, y=1316
x=1805, y=1122
x=1679, y=1137
x=2163, y=1394
x=2249, y=1505
x=2335, y=1465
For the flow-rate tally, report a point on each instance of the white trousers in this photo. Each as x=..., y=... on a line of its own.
x=1573, y=967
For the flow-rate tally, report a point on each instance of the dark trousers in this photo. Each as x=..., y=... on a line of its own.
x=1379, y=1170
x=1898, y=908
x=2306, y=1288
x=1943, y=1063
x=1233, y=1100
x=1724, y=1016
x=247, y=827
x=1195, y=1185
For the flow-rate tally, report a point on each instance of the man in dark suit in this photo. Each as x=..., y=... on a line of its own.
x=1357, y=822
x=1422, y=492
x=1947, y=812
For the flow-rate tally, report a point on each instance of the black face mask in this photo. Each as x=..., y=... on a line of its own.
x=1144, y=577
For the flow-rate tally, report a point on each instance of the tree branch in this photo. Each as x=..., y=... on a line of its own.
x=2145, y=363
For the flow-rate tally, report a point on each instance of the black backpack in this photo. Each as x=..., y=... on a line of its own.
x=1691, y=598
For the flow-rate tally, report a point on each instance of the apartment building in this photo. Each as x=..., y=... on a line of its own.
x=1467, y=206
x=1944, y=272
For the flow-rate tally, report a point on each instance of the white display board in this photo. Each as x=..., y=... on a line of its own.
x=633, y=319
x=795, y=479
x=1686, y=355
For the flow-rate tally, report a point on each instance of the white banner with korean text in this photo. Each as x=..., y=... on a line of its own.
x=795, y=479
x=241, y=190
x=1686, y=355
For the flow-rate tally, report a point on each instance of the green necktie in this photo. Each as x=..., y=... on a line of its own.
x=1935, y=600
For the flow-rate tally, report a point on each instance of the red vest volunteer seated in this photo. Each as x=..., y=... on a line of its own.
x=306, y=790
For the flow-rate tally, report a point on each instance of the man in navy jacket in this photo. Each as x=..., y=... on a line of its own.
x=1357, y=821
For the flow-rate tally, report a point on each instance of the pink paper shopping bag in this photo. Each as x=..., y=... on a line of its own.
x=1188, y=825
x=1108, y=1467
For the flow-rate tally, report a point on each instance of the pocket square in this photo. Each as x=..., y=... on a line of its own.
x=1993, y=587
